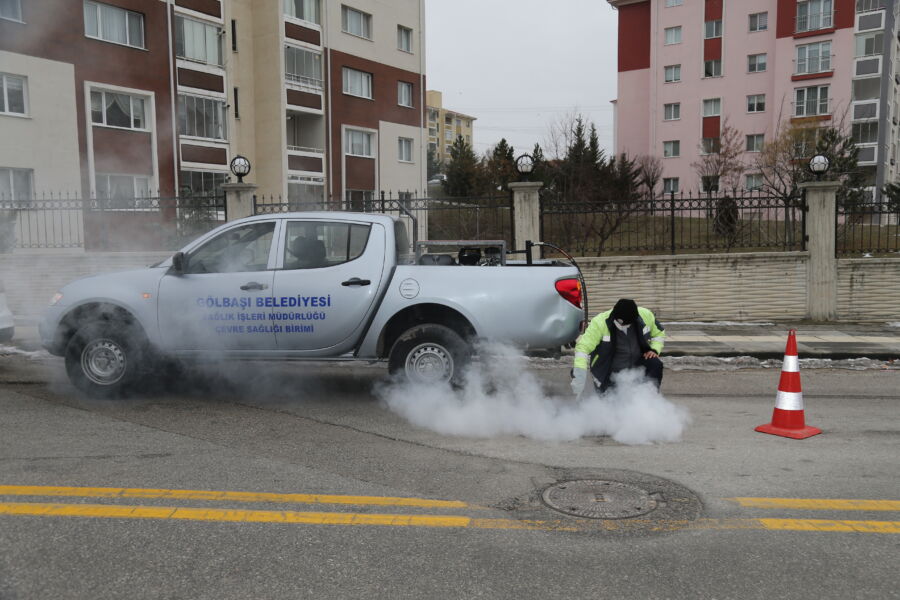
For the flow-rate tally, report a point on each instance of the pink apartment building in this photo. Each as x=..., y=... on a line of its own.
x=685, y=66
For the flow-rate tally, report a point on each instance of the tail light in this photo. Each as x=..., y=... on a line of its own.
x=570, y=289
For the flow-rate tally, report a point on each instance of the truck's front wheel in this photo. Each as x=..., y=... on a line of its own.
x=429, y=354
x=103, y=359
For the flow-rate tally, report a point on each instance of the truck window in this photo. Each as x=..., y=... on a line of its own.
x=405, y=253
x=237, y=250
x=317, y=244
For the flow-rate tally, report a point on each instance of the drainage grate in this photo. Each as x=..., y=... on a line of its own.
x=599, y=499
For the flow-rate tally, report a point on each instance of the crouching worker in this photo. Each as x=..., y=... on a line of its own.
x=625, y=337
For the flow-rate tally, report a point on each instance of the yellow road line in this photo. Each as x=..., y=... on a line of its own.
x=440, y=521
x=108, y=492
x=818, y=503
x=267, y=516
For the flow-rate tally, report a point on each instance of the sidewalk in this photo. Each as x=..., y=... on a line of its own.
x=767, y=340
x=759, y=340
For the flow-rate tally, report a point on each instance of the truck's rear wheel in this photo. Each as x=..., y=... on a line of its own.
x=429, y=354
x=103, y=359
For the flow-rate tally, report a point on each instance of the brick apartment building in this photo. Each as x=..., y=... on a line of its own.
x=687, y=65
x=124, y=98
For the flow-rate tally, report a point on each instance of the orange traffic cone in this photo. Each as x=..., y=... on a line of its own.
x=787, y=419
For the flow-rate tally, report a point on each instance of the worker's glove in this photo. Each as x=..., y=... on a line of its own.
x=579, y=377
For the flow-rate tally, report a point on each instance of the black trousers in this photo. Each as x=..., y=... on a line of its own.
x=653, y=369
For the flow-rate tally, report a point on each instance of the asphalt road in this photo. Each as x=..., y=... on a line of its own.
x=324, y=493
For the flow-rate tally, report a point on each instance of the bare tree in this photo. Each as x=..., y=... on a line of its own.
x=721, y=158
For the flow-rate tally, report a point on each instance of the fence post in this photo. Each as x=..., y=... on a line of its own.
x=526, y=214
x=238, y=200
x=821, y=288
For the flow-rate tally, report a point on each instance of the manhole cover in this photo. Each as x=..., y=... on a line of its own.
x=599, y=499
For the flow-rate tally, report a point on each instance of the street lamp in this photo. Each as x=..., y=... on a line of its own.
x=525, y=165
x=240, y=166
x=818, y=165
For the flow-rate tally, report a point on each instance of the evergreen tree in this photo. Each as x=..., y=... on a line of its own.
x=463, y=170
x=500, y=167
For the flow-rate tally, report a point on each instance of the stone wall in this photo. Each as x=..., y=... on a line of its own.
x=868, y=289
x=703, y=287
x=31, y=278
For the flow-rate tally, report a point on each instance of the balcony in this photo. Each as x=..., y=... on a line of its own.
x=305, y=137
x=304, y=83
x=864, y=6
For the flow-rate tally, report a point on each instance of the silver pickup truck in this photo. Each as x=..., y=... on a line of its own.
x=313, y=286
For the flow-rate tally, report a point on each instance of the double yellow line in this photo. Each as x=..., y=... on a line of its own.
x=118, y=511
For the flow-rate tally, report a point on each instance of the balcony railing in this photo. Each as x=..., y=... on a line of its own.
x=305, y=149
x=811, y=108
x=304, y=82
x=814, y=21
x=811, y=66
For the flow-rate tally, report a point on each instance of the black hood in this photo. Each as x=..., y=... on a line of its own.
x=625, y=310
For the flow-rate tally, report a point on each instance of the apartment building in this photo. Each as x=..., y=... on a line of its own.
x=445, y=125
x=123, y=98
x=687, y=66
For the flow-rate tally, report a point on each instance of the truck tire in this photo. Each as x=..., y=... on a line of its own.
x=104, y=358
x=429, y=354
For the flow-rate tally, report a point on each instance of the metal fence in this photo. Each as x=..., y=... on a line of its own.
x=120, y=224
x=868, y=229
x=686, y=223
x=476, y=218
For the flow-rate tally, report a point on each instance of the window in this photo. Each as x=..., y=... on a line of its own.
x=432, y=132
x=238, y=250
x=672, y=149
x=814, y=58
x=199, y=41
x=755, y=142
x=305, y=190
x=305, y=10
x=712, y=68
x=122, y=191
x=448, y=135
x=200, y=183
x=709, y=183
x=405, y=149
x=814, y=14
x=672, y=112
x=670, y=185
x=201, y=117
x=671, y=3
x=756, y=103
x=359, y=143
x=356, y=22
x=11, y=9
x=811, y=101
x=712, y=107
x=756, y=63
x=865, y=133
x=13, y=95
x=357, y=83
x=673, y=35
x=117, y=110
x=712, y=29
x=753, y=182
x=315, y=245
x=710, y=145
x=759, y=21
x=404, y=38
x=673, y=73
x=866, y=89
x=16, y=184
x=359, y=200
x=303, y=67
x=404, y=94
x=113, y=24
x=869, y=44
x=448, y=120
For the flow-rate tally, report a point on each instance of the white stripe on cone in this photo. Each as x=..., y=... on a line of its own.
x=791, y=364
x=789, y=400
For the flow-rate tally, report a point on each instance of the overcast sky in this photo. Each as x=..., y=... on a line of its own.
x=519, y=65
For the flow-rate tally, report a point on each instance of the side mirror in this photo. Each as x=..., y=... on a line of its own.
x=179, y=262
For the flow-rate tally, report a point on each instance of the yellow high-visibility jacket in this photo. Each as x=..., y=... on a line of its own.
x=595, y=347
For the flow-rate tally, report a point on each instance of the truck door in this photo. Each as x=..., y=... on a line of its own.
x=326, y=287
x=219, y=302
